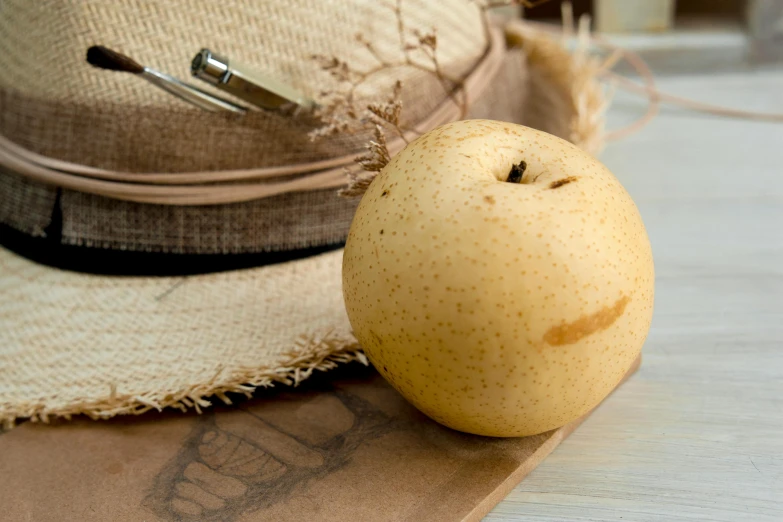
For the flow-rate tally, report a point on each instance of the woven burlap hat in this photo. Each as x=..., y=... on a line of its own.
x=157, y=255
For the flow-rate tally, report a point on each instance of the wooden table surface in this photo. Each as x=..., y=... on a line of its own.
x=697, y=434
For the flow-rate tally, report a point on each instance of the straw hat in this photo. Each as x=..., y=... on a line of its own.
x=102, y=186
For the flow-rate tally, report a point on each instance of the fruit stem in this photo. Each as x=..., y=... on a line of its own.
x=517, y=171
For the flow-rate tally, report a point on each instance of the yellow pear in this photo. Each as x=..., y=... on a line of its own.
x=500, y=278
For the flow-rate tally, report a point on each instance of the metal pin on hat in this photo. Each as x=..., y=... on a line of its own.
x=246, y=83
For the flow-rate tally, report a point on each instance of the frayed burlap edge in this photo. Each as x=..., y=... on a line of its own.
x=308, y=355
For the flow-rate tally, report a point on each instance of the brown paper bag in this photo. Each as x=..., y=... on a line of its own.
x=343, y=447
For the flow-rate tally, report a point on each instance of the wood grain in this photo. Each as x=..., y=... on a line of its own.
x=697, y=434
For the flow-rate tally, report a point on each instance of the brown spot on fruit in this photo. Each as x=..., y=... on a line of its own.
x=560, y=182
x=384, y=193
x=489, y=199
x=569, y=333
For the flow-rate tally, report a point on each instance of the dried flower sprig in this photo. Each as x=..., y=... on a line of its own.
x=339, y=109
x=371, y=162
x=341, y=113
x=388, y=113
x=377, y=155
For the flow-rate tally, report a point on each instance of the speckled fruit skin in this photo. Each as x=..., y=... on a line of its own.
x=498, y=308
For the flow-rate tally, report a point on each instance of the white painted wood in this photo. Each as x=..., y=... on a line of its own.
x=717, y=48
x=697, y=434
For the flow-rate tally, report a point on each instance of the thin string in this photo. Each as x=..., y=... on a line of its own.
x=172, y=178
x=654, y=96
x=695, y=105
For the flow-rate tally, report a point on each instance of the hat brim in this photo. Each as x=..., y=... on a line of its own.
x=109, y=345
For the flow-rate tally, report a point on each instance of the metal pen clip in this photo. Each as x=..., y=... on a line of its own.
x=245, y=83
